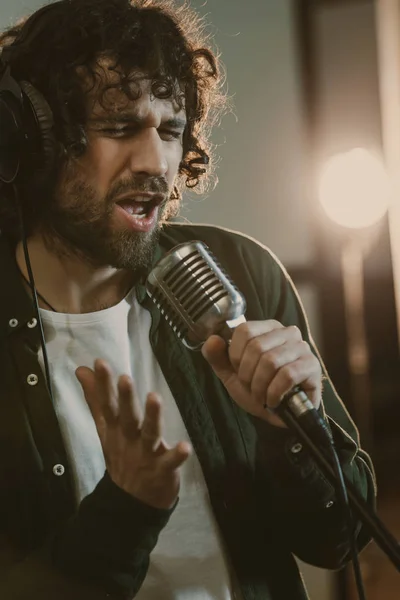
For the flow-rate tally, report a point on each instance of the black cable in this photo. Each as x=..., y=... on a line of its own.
x=375, y=527
x=296, y=405
x=341, y=491
x=38, y=294
x=310, y=423
x=33, y=289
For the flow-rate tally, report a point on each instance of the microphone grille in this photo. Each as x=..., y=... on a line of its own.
x=194, y=293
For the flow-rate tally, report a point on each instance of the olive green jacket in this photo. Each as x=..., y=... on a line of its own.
x=270, y=503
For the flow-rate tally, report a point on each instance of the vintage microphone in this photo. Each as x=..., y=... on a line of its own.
x=198, y=299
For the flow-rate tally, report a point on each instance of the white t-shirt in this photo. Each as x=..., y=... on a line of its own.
x=188, y=561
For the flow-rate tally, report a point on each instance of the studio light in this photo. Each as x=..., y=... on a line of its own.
x=354, y=189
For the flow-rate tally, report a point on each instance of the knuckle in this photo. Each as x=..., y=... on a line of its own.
x=274, y=324
x=290, y=374
x=255, y=346
x=316, y=364
x=295, y=332
x=305, y=346
x=249, y=330
x=243, y=331
x=313, y=365
x=271, y=360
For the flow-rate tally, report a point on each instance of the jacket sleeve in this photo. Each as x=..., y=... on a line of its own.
x=305, y=502
x=102, y=553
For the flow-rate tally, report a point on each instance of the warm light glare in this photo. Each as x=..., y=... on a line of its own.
x=354, y=189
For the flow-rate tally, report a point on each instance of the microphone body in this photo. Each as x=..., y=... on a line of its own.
x=198, y=299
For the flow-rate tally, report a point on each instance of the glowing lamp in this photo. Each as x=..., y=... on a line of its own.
x=354, y=189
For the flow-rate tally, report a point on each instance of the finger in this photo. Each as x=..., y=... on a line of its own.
x=129, y=409
x=152, y=424
x=271, y=362
x=305, y=372
x=105, y=390
x=258, y=346
x=162, y=448
x=175, y=457
x=87, y=379
x=215, y=353
x=246, y=332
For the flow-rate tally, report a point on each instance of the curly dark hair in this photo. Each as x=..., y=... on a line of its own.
x=58, y=48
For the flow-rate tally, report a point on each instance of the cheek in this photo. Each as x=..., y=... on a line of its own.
x=100, y=164
x=174, y=159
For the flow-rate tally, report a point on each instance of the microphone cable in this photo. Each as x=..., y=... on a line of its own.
x=328, y=448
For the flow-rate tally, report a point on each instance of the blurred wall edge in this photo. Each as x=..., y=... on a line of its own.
x=388, y=35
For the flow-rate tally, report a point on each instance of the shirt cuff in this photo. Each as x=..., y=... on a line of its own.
x=292, y=473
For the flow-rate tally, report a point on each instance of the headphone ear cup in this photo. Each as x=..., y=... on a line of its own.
x=44, y=119
x=10, y=138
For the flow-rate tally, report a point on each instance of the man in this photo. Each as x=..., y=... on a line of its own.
x=149, y=471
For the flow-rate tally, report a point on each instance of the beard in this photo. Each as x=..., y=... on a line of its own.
x=79, y=223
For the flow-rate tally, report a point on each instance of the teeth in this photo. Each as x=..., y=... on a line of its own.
x=133, y=210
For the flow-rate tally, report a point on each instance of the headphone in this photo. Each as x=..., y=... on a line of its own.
x=27, y=141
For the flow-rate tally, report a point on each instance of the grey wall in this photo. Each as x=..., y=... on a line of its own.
x=261, y=173
x=10, y=10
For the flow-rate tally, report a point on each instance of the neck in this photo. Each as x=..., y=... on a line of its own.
x=70, y=285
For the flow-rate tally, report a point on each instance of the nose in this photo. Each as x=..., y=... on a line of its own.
x=148, y=155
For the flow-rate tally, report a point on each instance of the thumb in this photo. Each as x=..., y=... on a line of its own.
x=214, y=351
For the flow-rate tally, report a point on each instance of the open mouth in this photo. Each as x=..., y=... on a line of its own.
x=140, y=213
x=140, y=207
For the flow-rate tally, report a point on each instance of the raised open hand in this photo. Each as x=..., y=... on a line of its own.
x=137, y=458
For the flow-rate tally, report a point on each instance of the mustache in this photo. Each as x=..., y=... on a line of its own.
x=154, y=185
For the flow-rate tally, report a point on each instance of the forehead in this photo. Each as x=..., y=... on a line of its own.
x=114, y=92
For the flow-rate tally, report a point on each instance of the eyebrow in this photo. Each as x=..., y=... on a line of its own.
x=128, y=117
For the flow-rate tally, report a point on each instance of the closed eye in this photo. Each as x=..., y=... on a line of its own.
x=119, y=131
x=169, y=134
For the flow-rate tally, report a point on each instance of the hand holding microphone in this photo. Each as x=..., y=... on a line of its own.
x=265, y=363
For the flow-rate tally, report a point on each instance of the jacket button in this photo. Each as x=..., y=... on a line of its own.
x=329, y=504
x=32, y=323
x=296, y=448
x=13, y=322
x=32, y=379
x=58, y=470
